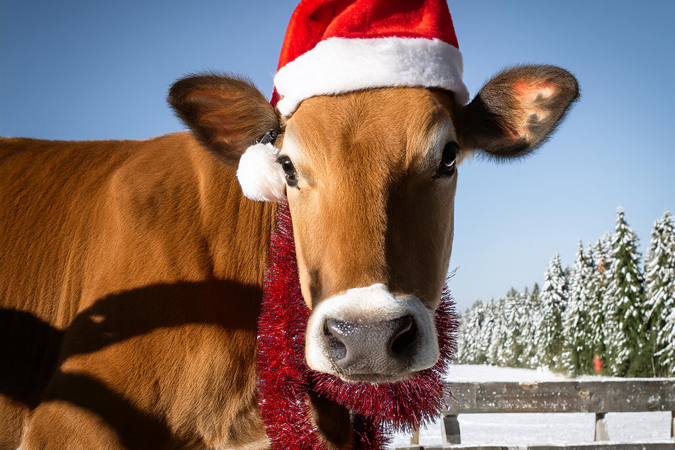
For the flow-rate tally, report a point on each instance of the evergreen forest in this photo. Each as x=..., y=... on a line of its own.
x=609, y=314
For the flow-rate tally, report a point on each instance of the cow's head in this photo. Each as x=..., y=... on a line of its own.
x=370, y=179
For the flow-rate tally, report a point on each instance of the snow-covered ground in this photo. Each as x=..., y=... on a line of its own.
x=534, y=428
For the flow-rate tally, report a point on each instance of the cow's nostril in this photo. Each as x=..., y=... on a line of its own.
x=403, y=338
x=335, y=331
x=370, y=348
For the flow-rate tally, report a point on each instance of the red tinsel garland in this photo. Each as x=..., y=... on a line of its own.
x=285, y=379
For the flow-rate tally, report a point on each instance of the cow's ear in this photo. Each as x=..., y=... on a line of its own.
x=517, y=110
x=227, y=114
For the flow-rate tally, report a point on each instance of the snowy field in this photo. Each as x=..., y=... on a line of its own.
x=534, y=428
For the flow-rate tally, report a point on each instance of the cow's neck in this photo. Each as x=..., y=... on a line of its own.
x=236, y=230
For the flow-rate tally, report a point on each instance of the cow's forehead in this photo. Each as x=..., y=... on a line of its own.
x=399, y=127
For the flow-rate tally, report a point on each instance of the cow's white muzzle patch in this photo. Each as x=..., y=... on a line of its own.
x=369, y=305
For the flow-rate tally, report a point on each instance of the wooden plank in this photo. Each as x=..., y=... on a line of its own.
x=462, y=447
x=586, y=446
x=628, y=395
x=608, y=446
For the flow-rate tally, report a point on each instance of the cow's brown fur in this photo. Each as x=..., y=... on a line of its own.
x=143, y=257
x=386, y=160
x=132, y=271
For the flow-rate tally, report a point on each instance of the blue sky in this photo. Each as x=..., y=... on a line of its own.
x=101, y=70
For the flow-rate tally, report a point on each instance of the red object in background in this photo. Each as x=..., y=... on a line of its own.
x=597, y=363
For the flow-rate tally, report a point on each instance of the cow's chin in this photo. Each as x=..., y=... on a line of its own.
x=375, y=377
x=368, y=335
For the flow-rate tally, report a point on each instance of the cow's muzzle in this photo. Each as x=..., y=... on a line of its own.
x=370, y=335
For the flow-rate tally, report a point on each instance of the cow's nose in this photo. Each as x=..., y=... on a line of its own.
x=370, y=348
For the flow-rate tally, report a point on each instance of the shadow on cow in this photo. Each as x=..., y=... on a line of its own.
x=31, y=350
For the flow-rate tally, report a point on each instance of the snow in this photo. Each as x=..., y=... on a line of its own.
x=536, y=428
x=474, y=372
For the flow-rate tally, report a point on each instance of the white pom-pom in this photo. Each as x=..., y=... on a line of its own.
x=260, y=175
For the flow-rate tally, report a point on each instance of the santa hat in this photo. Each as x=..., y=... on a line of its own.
x=338, y=46
x=333, y=47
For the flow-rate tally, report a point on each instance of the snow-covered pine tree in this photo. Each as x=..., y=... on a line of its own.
x=523, y=320
x=530, y=320
x=601, y=322
x=578, y=348
x=513, y=310
x=606, y=244
x=667, y=336
x=477, y=327
x=460, y=350
x=553, y=300
x=469, y=348
x=660, y=294
x=487, y=331
x=499, y=332
x=568, y=277
x=628, y=346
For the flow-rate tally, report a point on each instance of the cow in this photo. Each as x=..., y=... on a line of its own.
x=132, y=272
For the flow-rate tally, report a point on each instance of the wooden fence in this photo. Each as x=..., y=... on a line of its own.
x=599, y=397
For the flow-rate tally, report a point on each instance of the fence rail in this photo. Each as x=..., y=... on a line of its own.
x=586, y=446
x=599, y=397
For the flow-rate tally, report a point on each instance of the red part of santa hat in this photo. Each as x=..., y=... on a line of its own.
x=337, y=46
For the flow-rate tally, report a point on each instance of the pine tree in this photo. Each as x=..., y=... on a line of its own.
x=513, y=311
x=628, y=346
x=469, y=342
x=609, y=325
x=601, y=322
x=578, y=348
x=660, y=294
x=667, y=336
x=460, y=356
x=553, y=301
x=499, y=330
x=487, y=332
x=530, y=323
x=568, y=277
x=606, y=244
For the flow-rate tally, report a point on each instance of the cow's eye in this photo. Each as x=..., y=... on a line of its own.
x=448, y=161
x=289, y=170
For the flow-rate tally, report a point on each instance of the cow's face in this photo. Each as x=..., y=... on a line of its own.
x=370, y=181
x=371, y=193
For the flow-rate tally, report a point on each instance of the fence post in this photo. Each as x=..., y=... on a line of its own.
x=450, y=429
x=672, y=424
x=601, y=433
x=415, y=439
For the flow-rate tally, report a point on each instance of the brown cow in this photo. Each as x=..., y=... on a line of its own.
x=131, y=271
